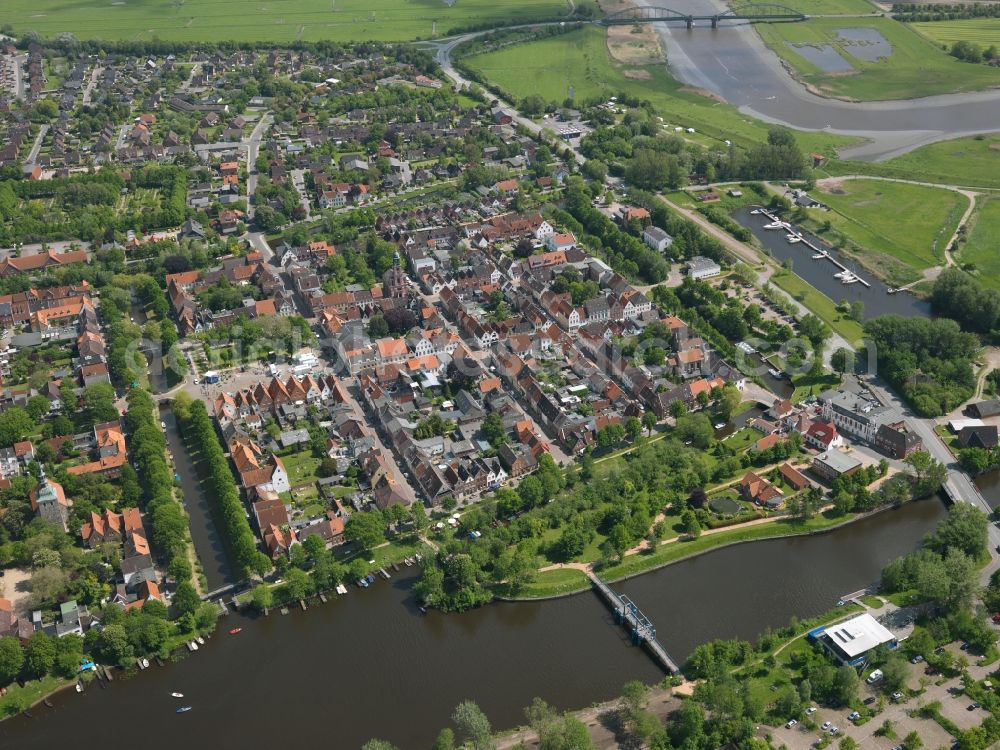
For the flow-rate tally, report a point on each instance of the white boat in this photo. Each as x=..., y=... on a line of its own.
x=79, y=688
x=192, y=646
x=848, y=278
x=820, y=256
x=793, y=238
x=842, y=274
x=143, y=663
x=177, y=695
x=775, y=225
x=757, y=211
x=201, y=641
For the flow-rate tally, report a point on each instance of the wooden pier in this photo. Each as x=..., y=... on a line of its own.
x=811, y=246
x=642, y=630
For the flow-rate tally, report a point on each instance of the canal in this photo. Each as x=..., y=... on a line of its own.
x=207, y=542
x=820, y=272
x=369, y=664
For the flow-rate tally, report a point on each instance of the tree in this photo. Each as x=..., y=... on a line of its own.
x=40, y=654
x=11, y=659
x=696, y=428
x=845, y=686
x=367, y=529
x=473, y=724
x=186, y=599
x=912, y=741
x=649, y=421
x=691, y=526
x=15, y=424
x=445, y=740
x=633, y=428
x=378, y=745
x=262, y=597
x=494, y=430
x=964, y=529
x=842, y=360
x=895, y=672
x=729, y=401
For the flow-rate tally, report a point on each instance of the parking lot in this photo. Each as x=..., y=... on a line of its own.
x=954, y=707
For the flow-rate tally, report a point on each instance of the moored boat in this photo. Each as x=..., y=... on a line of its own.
x=183, y=709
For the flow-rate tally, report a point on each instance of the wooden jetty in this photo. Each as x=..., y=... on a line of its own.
x=322, y=598
x=302, y=603
x=642, y=630
x=813, y=247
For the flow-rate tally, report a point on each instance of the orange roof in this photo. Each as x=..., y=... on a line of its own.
x=391, y=348
x=428, y=362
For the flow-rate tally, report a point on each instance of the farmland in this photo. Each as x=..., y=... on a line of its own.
x=913, y=68
x=549, y=67
x=908, y=223
x=981, y=31
x=277, y=21
x=982, y=242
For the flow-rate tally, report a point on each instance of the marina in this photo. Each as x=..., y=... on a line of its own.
x=809, y=262
x=846, y=275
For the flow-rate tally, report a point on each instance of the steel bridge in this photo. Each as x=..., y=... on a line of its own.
x=753, y=12
x=632, y=619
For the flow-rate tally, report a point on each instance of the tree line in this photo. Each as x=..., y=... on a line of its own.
x=221, y=489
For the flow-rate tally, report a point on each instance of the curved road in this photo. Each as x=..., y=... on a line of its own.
x=735, y=64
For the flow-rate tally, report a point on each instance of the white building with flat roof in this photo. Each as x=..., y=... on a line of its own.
x=851, y=640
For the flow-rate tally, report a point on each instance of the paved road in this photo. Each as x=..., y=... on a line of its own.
x=253, y=148
x=444, y=49
x=89, y=88
x=37, y=145
x=259, y=243
x=299, y=182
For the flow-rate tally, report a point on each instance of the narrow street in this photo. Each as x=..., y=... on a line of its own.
x=253, y=149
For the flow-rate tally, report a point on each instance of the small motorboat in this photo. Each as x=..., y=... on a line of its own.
x=201, y=641
x=192, y=646
x=775, y=225
x=423, y=610
x=891, y=290
x=757, y=211
x=820, y=256
x=418, y=557
x=793, y=238
x=79, y=688
x=177, y=695
x=183, y=709
x=234, y=631
x=362, y=583
x=370, y=578
x=163, y=425
x=408, y=562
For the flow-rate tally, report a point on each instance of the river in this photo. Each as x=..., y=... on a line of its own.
x=733, y=63
x=820, y=273
x=369, y=664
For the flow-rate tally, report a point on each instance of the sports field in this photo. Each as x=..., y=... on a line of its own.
x=981, y=31
x=579, y=61
x=910, y=223
x=914, y=67
x=265, y=20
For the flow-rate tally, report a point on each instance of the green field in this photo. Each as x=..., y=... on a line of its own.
x=549, y=67
x=819, y=304
x=981, y=31
x=914, y=68
x=276, y=20
x=824, y=7
x=909, y=223
x=982, y=247
x=966, y=162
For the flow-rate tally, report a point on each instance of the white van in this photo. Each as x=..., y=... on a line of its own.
x=874, y=677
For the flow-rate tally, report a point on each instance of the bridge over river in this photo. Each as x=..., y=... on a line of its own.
x=631, y=617
x=756, y=12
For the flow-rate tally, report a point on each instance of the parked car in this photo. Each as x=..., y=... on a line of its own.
x=930, y=670
x=964, y=646
x=853, y=716
x=826, y=725
x=833, y=731
x=791, y=723
x=869, y=701
x=996, y=617
x=973, y=706
x=916, y=659
x=811, y=710
x=897, y=696
x=874, y=677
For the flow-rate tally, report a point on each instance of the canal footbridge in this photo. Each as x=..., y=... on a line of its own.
x=752, y=12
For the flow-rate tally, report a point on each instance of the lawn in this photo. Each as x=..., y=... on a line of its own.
x=827, y=7
x=915, y=67
x=580, y=59
x=278, y=21
x=909, y=223
x=812, y=385
x=301, y=466
x=819, y=304
x=552, y=583
x=983, y=241
x=668, y=553
x=972, y=161
x=981, y=31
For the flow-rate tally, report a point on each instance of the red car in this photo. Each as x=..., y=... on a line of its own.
x=930, y=670
x=996, y=617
